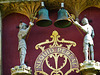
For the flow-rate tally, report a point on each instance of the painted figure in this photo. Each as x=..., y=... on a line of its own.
x=23, y=30
x=88, y=39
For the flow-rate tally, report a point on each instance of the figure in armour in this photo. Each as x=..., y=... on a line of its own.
x=23, y=31
x=88, y=39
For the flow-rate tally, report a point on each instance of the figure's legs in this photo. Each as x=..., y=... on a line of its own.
x=92, y=52
x=85, y=50
x=22, y=55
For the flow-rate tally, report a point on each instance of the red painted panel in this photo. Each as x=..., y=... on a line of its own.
x=40, y=34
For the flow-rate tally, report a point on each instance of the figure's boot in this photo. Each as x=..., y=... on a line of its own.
x=92, y=52
x=22, y=56
x=86, y=56
x=92, y=55
x=22, y=59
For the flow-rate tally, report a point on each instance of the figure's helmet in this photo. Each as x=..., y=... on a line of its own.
x=85, y=21
x=21, y=25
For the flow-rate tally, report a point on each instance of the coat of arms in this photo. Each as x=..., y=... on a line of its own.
x=55, y=52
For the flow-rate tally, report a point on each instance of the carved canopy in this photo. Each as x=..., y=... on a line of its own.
x=30, y=7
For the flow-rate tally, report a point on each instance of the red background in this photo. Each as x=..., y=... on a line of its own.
x=10, y=54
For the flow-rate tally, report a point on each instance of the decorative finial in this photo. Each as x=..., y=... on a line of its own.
x=42, y=4
x=62, y=5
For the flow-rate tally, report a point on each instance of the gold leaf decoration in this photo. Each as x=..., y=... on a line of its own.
x=26, y=8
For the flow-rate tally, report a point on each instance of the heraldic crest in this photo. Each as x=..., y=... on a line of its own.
x=56, y=51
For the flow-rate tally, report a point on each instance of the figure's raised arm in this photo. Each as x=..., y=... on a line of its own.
x=76, y=23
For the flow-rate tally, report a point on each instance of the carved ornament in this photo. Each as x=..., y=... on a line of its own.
x=29, y=7
x=55, y=51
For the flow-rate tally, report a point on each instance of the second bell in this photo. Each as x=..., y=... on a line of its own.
x=63, y=20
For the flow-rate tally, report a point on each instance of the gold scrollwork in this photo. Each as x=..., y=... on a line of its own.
x=77, y=70
x=55, y=41
x=56, y=56
x=55, y=52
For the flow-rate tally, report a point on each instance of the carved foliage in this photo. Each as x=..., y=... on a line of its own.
x=27, y=8
x=73, y=6
x=77, y=6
